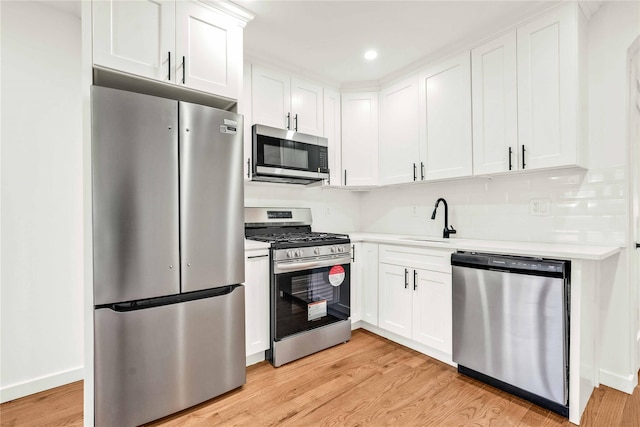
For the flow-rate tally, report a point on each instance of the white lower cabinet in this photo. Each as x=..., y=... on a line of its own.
x=256, y=300
x=415, y=295
x=364, y=283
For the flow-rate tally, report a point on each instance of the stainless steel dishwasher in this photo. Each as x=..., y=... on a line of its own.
x=511, y=323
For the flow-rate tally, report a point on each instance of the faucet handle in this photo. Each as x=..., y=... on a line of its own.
x=448, y=231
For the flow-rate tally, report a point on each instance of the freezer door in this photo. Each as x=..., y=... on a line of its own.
x=135, y=196
x=211, y=197
x=512, y=327
x=153, y=362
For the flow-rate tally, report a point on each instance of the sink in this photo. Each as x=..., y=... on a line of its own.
x=427, y=239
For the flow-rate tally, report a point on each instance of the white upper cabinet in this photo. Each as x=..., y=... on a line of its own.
x=306, y=103
x=495, y=106
x=548, y=55
x=208, y=50
x=332, y=129
x=360, y=139
x=270, y=97
x=445, y=118
x=137, y=37
x=286, y=102
x=399, y=133
x=184, y=43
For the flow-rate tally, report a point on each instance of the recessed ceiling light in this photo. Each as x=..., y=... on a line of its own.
x=370, y=55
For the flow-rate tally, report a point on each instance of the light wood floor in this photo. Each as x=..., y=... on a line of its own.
x=369, y=381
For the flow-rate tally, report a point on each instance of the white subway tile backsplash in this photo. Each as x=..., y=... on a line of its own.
x=587, y=207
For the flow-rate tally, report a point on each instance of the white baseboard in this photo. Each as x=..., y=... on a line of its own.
x=255, y=358
x=37, y=385
x=433, y=353
x=625, y=383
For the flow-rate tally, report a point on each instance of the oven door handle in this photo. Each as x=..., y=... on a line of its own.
x=283, y=267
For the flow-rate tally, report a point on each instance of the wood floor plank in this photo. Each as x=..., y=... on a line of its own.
x=368, y=381
x=631, y=410
x=611, y=407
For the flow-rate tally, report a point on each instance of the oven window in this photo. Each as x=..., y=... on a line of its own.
x=305, y=300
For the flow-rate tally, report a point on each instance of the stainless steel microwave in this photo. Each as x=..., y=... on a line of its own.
x=281, y=155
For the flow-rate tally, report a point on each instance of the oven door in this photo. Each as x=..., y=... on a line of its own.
x=281, y=153
x=311, y=297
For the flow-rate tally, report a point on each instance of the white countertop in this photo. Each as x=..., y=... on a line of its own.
x=253, y=245
x=547, y=250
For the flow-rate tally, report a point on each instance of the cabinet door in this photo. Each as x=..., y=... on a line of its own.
x=257, y=301
x=270, y=97
x=209, y=50
x=360, y=139
x=547, y=90
x=136, y=37
x=306, y=104
x=445, y=115
x=395, y=299
x=399, y=133
x=332, y=133
x=357, y=277
x=367, y=257
x=432, y=309
x=495, y=103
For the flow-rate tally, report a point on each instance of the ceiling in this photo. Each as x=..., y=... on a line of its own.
x=327, y=39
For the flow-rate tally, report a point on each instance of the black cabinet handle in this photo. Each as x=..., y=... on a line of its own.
x=637, y=245
x=510, y=153
x=422, y=171
x=406, y=278
x=257, y=256
x=353, y=253
x=415, y=280
x=183, y=70
x=249, y=167
x=415, y=172
x=295, y=120
x=523, y=163
x=288, y=121
x=345, y=177
x=169, y=66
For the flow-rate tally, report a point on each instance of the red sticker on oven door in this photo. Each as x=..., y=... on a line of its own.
x=336, y=275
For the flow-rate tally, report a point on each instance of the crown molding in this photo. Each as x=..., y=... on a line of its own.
x=589, y=7
x=242, y=15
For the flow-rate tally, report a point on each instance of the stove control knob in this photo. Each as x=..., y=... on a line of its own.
x=298, y=253
x=340, y=249
x=289, y=254
x=333, y=249
x=316, y=251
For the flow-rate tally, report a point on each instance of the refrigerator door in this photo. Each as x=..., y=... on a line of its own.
x=152, y=362
x=135, y=196
x=211, y=197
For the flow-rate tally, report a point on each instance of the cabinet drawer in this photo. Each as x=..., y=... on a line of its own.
x=424, y=258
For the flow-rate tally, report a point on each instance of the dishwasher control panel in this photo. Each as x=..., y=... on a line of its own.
x=513, y=263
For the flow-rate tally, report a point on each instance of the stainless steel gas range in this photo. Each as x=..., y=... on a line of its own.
x=309, y=282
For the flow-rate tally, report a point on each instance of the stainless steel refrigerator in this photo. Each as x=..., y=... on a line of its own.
x=168, y=255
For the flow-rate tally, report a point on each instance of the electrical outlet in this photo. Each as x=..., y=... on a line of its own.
x=540, y=207
x=327, y=211
x=414, y=210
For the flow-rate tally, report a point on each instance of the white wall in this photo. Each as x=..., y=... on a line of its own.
x=335, y=211
x=612, y=30
x=41, y=190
